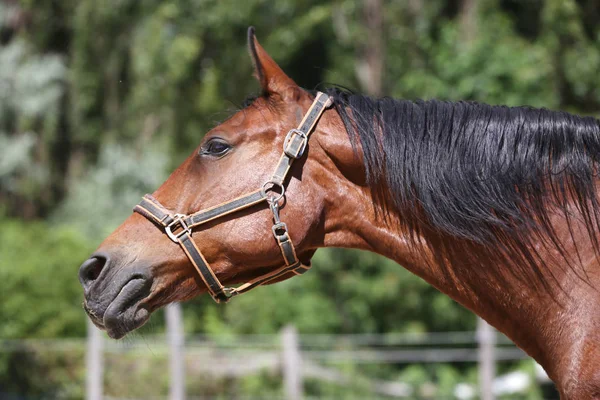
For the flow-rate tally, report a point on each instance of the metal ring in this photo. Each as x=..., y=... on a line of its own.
x=272, y=199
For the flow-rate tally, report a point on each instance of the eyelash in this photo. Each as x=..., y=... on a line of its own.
x=206, y=149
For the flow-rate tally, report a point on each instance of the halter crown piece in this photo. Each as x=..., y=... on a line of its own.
x=178, y=227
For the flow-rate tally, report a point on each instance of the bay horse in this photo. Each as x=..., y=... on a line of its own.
x=495, y=206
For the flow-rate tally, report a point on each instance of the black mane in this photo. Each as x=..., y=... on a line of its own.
x=474, y=171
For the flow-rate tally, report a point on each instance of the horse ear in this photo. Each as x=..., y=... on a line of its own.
x=271, y=77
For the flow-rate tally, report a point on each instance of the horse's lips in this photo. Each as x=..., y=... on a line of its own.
x=124, y=314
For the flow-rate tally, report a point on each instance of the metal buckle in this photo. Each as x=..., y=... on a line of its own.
x=289, y=138
x=174, y=236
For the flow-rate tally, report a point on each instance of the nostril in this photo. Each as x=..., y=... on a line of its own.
x=90, y=270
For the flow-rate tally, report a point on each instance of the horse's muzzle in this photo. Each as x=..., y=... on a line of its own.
x=114, y=296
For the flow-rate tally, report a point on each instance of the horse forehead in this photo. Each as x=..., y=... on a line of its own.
x=256, y=118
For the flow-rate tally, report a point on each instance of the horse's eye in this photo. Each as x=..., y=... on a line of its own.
x=215, y=147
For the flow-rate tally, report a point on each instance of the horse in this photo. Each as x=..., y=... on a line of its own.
x=494, y=206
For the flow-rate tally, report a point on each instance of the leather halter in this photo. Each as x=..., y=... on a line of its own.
x=178, y=227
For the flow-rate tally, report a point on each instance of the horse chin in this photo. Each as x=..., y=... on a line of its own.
x=127, y=311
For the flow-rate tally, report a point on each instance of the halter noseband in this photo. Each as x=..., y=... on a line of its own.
x=178, y=227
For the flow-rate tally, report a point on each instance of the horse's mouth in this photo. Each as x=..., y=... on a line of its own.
x=127, y=310
x=120, y=311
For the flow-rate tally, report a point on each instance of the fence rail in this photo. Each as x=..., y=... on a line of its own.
x=296, y=357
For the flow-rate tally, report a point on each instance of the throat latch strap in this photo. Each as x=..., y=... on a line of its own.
x=178, y=227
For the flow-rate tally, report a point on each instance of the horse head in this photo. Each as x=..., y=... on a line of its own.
x=250, y=204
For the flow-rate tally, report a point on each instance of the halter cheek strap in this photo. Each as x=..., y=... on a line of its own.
x=178, y=227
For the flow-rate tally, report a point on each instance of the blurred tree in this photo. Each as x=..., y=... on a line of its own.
x=169, y=70
x=32, y=88
x=369, y=66
x=40, y=295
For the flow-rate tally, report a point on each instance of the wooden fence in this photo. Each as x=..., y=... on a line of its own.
x=298, y=362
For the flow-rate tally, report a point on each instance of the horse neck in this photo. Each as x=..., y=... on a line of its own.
x=552, y=316
x=471, y=274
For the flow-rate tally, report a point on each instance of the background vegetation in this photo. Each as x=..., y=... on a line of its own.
x=100, y=99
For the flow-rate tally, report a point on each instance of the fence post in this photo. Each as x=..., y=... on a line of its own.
x=486, y=336
x=175, y=340
x=94, y=363
x=292, y=363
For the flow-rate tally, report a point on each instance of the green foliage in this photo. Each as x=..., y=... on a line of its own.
x=40, y=295
x=31, y=86
x=37, y=371
x=103, y=198
x=482, y=72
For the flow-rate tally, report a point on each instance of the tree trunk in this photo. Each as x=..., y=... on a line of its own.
x=468, y=20
x=369, y=68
